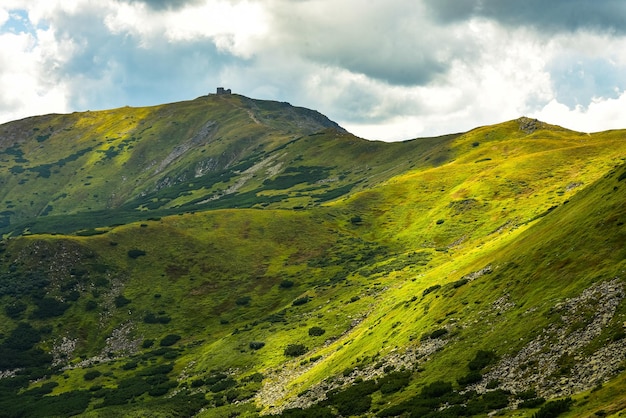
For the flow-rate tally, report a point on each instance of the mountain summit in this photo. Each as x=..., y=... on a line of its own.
x=227, y=256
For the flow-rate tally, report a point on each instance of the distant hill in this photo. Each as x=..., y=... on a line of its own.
x=228, y=256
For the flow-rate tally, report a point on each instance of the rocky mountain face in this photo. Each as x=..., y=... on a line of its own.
x=235, y=257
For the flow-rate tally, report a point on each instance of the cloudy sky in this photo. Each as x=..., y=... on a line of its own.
x=383, y=69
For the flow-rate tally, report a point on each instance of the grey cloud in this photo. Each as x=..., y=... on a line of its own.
x=165, y=4
x=552, y=15
x=111, y=70
x=388, y=41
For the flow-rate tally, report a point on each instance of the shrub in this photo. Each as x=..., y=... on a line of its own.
x=431, y=289
x=438, y=333
x=147, y=343
x=482, y=359
x=49, y=307
x=196, y=383
x=15, y=310
x=222, y=385
x=169, y=339
x=91, y=374
x=394, y=381
x=356, y=220
x=472, y=377
x=496, y=399
x=493, y=383
x=120, y=301
x=295, y=350
x=316, y=331
x=436, y=389
x=256, y=345
x=136, y=253
x=23, y=337
x=129, y=366
x=554, y=408
x=243, y=300
x=532, y=403
x=91, y=305
x=301, y=301
x=440, y=221
x=460, y=283
x=151, y=318
x=286, y=284
x=354, y=400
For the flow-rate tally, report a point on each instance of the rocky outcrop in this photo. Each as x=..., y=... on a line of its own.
x=529, y=125
x=561, y=360
x=275, y=387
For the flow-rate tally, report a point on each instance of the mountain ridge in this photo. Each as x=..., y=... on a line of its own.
x=461, y=275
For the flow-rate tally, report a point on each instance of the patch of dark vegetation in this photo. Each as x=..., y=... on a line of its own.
x=92, y=374
x=438, y=333
x=286, y=284
x=277, y=317
x=152, y=318
x=431, y=289
x=18, y=350
x=355, y=400
x=394, y=381
x=459, y=283
x=15, y=310
x=470, y=378
x=316, y=331
x=295, y=350
x=256, y=345
x=17, y=283
x=334, y=193
x=243, y=300
x=120, y=301
x=293, y=176
x=136, y=253
x=482, y=359
x=169, y=340
x=301, y=301
x=49, y=307
x=553, y=409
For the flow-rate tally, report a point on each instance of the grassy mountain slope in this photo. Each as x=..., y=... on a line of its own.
x=450, y=276
x=61, y=173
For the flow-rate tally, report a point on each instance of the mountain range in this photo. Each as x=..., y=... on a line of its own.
x=227, y=256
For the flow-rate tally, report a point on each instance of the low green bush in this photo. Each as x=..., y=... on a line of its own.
x=169, y=340
x=431, y=289
x=92, y=374
x=136, y=253
x=316, y=331
x=470, y=378
x=438, y=333
x=295, y=350
x=553, y=409
x=482, y=359
x=301, y=301
x=243, y=300
x=256, y=345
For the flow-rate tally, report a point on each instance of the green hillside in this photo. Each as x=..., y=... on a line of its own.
x=62, y=173
x=235, y=257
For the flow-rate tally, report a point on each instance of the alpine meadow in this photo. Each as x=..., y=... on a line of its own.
x=227, y=256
